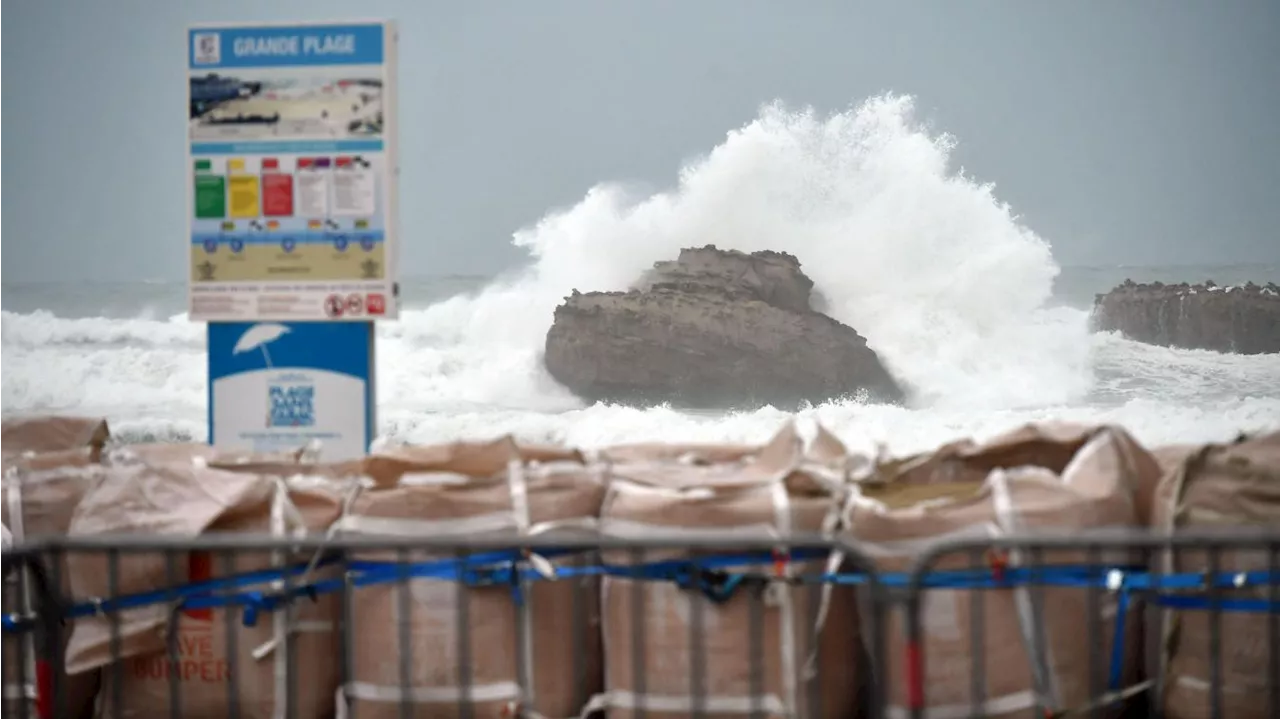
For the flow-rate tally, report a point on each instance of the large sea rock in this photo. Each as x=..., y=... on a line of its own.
x=714, y=329
x=1243, y=319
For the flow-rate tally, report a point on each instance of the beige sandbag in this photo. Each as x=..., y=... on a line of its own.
x=1048, y=476
x=550, y=642
x=277, y=464
x=466, y=458
x=780, y=490
x=1171, y=456
x=337, y=471
x=51, y=433
x=41, y=492
x=689, y=453
x=1229, y=485
x=167, y=492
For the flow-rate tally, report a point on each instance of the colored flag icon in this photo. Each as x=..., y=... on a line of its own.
x=273, y=225
x=235, y=164
x=205, y=165
x=270, y=163
x=315, y=225
x=361, y=162
x=306, y=163
x=342, y=162
x=228, y=226
x=362, y=224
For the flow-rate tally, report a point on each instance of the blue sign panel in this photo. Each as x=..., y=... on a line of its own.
x=278, y=386
x=286, y=46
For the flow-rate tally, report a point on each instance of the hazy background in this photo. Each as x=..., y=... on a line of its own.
x=1139, y=132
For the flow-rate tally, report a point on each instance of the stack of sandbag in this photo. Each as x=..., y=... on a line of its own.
x=49, y=463
x=803, y=661
x=537, y=657
x=1234, y=485
x=1040, y=477
x=172, y=491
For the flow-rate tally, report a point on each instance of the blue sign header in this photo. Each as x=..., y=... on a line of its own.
x=341, y=347
x=285, y=46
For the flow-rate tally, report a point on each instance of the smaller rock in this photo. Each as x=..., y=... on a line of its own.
x=1242, y=320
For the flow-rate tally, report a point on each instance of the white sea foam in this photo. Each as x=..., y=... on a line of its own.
x=944, y=281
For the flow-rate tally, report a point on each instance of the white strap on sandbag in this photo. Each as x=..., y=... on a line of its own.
x=14, y=692
x=1170, y=620
x=439, y=528
x=400, y=527
x=479, y=693
x=997, y=706
x=348, y=501
x=282, y=512
x=786, y=615
x=280, y=619
x=519, y=488
x=13, y=495
x=310, y=453
x=1042, y=675
x=617, y=484
x=831, y=524
x=769, y=704
x=16, y=533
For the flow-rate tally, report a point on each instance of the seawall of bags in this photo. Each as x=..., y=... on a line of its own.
x=568, y=646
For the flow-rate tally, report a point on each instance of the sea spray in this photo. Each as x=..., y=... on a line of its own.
x=940, y=277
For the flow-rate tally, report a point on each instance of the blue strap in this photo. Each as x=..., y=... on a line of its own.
x=706, y=574
x=1116, y=673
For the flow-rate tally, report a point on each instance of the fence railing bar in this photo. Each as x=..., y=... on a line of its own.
x=1096, y=573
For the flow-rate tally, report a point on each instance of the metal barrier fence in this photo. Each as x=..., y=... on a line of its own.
x=556, y=626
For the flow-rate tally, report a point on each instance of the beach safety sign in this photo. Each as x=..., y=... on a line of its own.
x=276, y=386
x=292, y=171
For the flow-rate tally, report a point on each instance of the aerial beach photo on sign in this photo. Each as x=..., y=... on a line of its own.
x=286, y=103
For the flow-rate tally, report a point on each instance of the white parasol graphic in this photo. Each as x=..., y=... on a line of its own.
x=258, y=337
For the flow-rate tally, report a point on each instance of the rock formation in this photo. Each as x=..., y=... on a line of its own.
x=1243, y=320
x=713, y=329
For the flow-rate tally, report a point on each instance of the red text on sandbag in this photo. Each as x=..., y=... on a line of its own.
x=196, y=661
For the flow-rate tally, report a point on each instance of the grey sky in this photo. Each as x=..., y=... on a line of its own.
x=1136, y=132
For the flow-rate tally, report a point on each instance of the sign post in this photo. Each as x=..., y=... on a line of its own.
x=292, y=195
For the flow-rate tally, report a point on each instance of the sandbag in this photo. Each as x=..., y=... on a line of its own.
x=687, y=453
x=1171, y=456
x=41, y=492
x=51, y=433
x=335, y=471
x=780, y=489
x=542, y=655
x=169, y=491
x=1219, y=486
x=1041, y=476
x=388, y=466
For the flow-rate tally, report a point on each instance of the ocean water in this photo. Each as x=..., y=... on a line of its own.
x=964, y=303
